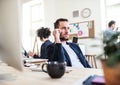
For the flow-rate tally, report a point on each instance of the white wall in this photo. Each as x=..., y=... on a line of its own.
x=113, y=13
x=112, y=2
x=63, y=8
x=50, y=13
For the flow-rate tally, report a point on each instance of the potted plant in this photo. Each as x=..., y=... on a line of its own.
x=111, y=65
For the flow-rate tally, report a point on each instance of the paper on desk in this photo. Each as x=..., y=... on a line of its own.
x=35, y=60
x=35, y=68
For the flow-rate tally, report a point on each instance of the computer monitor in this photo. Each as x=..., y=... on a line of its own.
x=10, y=25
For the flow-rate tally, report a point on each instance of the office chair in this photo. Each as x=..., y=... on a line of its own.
x=91, y=60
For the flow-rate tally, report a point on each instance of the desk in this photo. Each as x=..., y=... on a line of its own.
x=27, y=77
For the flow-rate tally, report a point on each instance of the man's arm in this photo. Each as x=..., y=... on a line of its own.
x=55, y=52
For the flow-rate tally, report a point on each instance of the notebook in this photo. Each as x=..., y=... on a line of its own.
x=98, y=80
x=31, y=60
x=94, y=80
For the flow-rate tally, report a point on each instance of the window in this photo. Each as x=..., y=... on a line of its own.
x=33, y=19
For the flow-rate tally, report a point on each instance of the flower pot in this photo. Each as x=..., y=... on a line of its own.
x=111, y=74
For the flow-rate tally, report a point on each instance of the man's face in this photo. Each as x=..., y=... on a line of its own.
x=113, y=26
x=64, y=29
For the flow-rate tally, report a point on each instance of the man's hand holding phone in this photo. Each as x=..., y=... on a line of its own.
x=56, y=34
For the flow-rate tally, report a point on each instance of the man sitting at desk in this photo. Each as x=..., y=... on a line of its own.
x=61, y=50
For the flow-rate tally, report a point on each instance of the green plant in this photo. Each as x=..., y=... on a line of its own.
x=112, y=50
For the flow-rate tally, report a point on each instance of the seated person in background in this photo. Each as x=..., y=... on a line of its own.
x=43, y=33
x=109, y=32
x=24, y=53
x=61, y=50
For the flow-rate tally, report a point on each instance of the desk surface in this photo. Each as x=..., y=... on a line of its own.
x=28, y=77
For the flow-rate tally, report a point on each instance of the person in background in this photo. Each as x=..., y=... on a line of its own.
x=109, y=32
x=43, y=33
x=24, y=53
x=63, y=51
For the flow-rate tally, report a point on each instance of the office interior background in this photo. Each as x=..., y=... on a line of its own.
x=37, y=13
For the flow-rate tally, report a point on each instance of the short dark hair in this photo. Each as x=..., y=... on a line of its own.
x=111, y=23
x=56, y=24
x=43, y=32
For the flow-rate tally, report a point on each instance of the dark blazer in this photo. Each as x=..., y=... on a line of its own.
x=43, y=53
x=56, y=52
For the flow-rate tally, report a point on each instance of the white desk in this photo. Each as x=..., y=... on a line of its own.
x=27, y=77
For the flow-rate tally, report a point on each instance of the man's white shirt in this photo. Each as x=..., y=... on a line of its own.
x=74, y=58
